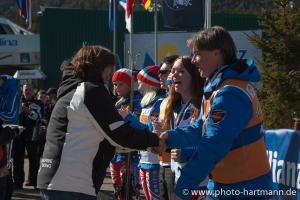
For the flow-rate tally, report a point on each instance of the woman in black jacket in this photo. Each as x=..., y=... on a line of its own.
x=83, y=121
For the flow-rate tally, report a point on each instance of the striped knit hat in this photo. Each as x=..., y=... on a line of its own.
x=123, y=75
x=149, y=75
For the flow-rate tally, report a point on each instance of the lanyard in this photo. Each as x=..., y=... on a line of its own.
x=182, y=112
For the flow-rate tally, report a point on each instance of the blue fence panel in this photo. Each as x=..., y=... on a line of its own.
x=283, y=148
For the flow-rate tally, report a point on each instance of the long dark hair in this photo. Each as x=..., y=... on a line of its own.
x=90, y=61
x=174, y=97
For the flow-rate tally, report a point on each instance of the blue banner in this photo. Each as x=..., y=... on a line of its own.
x=283, y=149
x=187, y=13
x=111, y=16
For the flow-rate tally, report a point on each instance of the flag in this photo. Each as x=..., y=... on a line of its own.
x=25, y=11
x=111, y=16
x=183, y=13
x=119, y=63
x=146, y=4
x=128, y=7
x=148, y=60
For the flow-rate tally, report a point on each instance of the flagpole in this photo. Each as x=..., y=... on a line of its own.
x=155, y=31
x=29, y=15
x=207, y=13
x=131, y=64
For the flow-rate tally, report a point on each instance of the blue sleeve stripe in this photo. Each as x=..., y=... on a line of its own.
x=263, y=182
x=248, y=136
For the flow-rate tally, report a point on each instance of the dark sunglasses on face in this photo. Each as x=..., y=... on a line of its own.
x=164, y=71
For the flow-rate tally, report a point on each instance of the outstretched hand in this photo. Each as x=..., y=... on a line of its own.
x=157, y=127
x=175, y=154
x=162, y=144
x=123, y=112
x=164, y=136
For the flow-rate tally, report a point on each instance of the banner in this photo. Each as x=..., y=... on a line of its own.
x=19, y=50
x=170, y=43
x=111, y=16
x=127, y=5
x=283, y=149
x=183, y=13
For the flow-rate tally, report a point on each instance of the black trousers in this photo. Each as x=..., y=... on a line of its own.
x=166, y=182
x=19, y=146
x=9, y=186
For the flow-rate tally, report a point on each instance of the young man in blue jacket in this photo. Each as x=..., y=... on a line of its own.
x=227, y=138
x=9, y=114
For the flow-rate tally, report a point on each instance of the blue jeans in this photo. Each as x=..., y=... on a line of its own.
x=3, y=183
x=57, y=195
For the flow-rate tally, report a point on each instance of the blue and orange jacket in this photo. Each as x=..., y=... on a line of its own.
x=230, y=145
x=125, y=102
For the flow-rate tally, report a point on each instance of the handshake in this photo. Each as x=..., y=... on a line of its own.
x=162, y=144
x=163, y=136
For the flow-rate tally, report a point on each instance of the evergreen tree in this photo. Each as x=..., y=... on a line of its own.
x=280, y=43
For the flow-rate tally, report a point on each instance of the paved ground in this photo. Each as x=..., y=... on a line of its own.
x=28, y=193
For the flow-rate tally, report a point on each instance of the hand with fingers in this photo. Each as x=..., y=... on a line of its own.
x=123, y=112
x=175, y=154
x=164, y=136
x=157, y=127
x=159, y=149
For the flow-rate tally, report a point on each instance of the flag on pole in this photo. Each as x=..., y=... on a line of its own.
x=128, y=7
x=148, y=60
x=25, y=11
x=111, y=16
x=183, y=13
x=146, y=4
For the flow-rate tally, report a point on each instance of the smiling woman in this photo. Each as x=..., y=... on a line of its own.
x=187, y=87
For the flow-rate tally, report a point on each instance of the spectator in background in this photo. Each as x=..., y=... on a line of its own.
x=30, y=117
x=9, y=114
x=6, y=136
x=42, y=97
x=51, y=97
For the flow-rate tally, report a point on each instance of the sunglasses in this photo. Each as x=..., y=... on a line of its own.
x=164, y=71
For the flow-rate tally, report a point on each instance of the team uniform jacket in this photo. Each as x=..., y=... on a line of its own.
x=182, y=116
x=125, y=103
x=9, y=110
x=9, y=100
x=149, y=113
x=82, y=123
x=232, y=148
